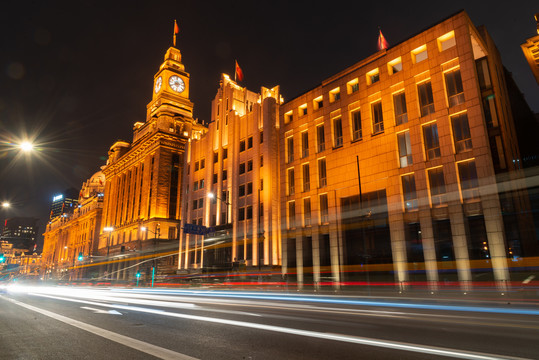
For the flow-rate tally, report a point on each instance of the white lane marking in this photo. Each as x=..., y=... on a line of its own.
x=99, y=311
x=395, y=345
x=139, y=345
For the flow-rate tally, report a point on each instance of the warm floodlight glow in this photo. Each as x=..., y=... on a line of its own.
x=211, y=195
x=108, y=229
x=5, y=204
x=26, y=146
x=143, y=228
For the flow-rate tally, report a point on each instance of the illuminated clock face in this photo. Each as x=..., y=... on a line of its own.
x=176, y=83
x=158, y=84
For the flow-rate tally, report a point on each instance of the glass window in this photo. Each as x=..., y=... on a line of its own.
x=242, y=168
x=324, y=209
x=225, y=153
x=405, y=149
x=304, y=144
x=394, y=66
x=455, y=93
x=288, y=117
x=291, y=214
x=409, y=192
x=483, y=74
x=202, y=164
x=437, y=186
x=306, y=177
x=249, y=142
x=197, y=165
x=420, y=54
x=201, y=186
x=432, y=145
x=241, y=214
x=215, y=157
x=241, y=190
x=307, y=212
x=291, y=183
x=337, y=132
x=377, y=118
x=290, y=149
x=461, y=133
x=250, y=165
x=356, y=124
x=195, y=204
x=262, y=136
x=200, y=203
x=426, y=101
x=322, y=180
x=489, y=107
x=242, y=145
x=401, y=113
x=225, y=174
x=249, y=211
x=320, y=138
x=249, y=188
x=195, y=185
x=468, y=180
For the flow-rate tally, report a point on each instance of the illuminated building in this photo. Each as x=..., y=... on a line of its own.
x=531, y=51
x=64, y=203
x=20, y=232
x=142, y=201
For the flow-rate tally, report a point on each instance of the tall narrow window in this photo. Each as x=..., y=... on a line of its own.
x=468, y=180
x=306, y=178
x=324, y=209
x=409, y=192
x=377, y=118
x=437, y=186
x=455, y=92
x=405, y=149
x=291, y=183
x=432, y=145
x=290, y=149
x=320, y=138
x=337, y=132
x=426, y=101
x=401, y=113
x=307, y=212
x=322, y=179
x=242, y=145
x=304, y=144
x=461, y=133
x=291, y=214
x=356, y=124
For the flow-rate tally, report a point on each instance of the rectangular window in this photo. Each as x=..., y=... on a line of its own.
x=334, y=95
x=324, y=209
x=483, y=74
x=288, y=117
x=446, y=41
x=261, y=184
x=290, y=149
x=307, y=212
x=401, y=113
x=352, y=86
x=215, y=157
x=394, y=66
x=461, y=133
x=426, y=101
x=195, y=204
x=306, y=178
x=242, y=145
x=196, y=166
x=249, y=211
x=303, y=110
x=373, y=76
x=261, y=137
x=405, y=149
x=225, y=153
x=356, y=124
x=432, y=145
x=377, y=118
x=419, y=54
x=225, y=175
x=241, y=190
x=318, y=103
x=201, y=186
x=409, y=192
x=491, y=114
x=250, y=165
x=291, y=214
x=320, y=138
x=337, y=132
x=291, y=182
x=437, y=186
x=242, y=168
x=249, y=188
x=322, y=179
x=200, y=203
x=304, y=144
x=202, y=164
x=468, y=180
x=249, y=142
x=241, y=214
x=455, y=92
x=195, y=186
x=261, y=160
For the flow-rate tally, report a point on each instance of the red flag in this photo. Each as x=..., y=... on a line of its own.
x=382, y=42
x=239, y=73
x=176, y=28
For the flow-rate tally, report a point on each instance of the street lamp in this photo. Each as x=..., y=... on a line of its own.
x=213, y=196
x=26, y=146
x=5, y=204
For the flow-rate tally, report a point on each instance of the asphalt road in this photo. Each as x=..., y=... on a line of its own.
x=76, y=323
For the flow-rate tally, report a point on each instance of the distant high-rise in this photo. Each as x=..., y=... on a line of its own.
x=20, y=232
x=531, y=51
x=65, y=202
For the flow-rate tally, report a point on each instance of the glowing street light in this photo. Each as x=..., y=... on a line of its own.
x=5, y=204
x=26, y=146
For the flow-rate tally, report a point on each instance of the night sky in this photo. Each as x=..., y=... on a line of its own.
x=75, y=76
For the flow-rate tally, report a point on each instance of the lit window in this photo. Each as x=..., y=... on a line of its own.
x=394, y=66
x=409, y=192
x=468, y=180
x=446, y=41
x=377, y=118
x=401, y=113
x=352, y=86
x=373, y=76
x=318, y=103
x=453, y=83
x=432, y=144
x=419, y=54
x=288, y=117
x=405, y=149
x=437, y=186
x=335, y=95
x=461, y=133
x=303, y=110
x=337, y=132
x=426, y=100
x=356, y=124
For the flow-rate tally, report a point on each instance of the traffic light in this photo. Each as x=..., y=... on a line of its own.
x=80, y=257
x=138, y=274
x=2, y=258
